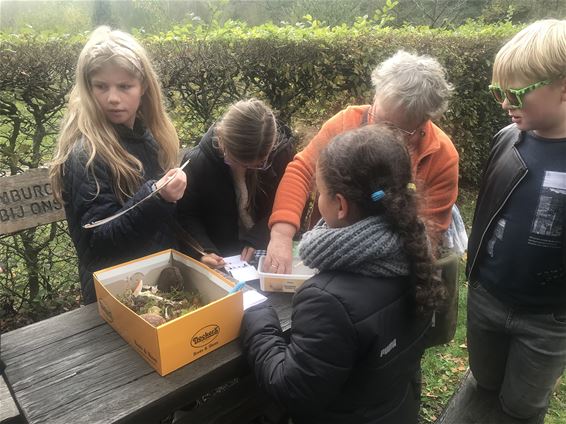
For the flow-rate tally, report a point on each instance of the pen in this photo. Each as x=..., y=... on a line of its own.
x=153, y=193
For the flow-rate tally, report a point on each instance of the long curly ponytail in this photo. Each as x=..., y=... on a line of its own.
x=360, y=162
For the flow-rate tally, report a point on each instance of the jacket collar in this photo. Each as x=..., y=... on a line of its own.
x=208, y=146
x=518, y=137
x=511, y=133
x=428, y=144
x=137, y=134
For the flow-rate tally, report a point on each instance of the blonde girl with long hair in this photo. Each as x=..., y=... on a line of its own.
x=115, y=144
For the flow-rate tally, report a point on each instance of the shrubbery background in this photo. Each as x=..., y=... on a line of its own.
x=306, y=71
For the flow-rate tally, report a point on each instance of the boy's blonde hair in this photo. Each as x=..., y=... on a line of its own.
x=85, y=122
x=536, y=53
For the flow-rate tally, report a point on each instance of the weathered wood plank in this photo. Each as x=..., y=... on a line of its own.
x=473, y=405
x=75, y=368
x=9, y=413
x=239, y=404
x=26, y=201
x=96, y=377
x=40, y=334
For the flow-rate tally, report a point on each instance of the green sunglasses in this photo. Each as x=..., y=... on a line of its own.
x=514, y=96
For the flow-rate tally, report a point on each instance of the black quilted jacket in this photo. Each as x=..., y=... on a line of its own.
x=354, y=351
x=141, y=231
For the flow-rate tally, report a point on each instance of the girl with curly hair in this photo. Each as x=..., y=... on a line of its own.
x=358, y=326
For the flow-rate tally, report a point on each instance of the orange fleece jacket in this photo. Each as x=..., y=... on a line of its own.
x=435, y=173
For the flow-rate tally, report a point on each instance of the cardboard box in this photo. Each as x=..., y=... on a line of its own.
x=184, y=339
x=288, y=283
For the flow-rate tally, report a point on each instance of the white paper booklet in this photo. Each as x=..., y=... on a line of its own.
x=240, y=270
x=252, y=298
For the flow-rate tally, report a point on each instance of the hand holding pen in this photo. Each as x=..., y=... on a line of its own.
x=172, y=185
x=175, y=176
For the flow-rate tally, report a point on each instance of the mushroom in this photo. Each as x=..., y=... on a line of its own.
x=154, y=319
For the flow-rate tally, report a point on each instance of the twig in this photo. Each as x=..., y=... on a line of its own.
x=153, y=193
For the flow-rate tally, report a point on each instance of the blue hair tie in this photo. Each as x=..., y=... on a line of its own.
x=377, y=195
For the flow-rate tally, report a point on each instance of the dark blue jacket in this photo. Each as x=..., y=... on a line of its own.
x=354, y=351
x=139, y=232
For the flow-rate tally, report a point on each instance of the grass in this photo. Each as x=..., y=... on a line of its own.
x=443, y=366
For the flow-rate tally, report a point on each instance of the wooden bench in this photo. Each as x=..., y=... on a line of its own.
x=26, y=201
x=9, y=413
x=58, y=375
x=75, y=368
x=473, y=405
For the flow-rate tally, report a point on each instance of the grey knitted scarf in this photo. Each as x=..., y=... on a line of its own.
x=368, y=247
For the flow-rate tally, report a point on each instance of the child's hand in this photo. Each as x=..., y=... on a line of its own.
x=175, y=189
x=247, y=253
x=212, y=260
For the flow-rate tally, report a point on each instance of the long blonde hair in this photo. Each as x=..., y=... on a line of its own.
x=86, y=123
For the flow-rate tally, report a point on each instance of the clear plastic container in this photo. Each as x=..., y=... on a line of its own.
x=287, y=283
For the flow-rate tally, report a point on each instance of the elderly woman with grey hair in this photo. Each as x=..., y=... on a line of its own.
x=410, y=91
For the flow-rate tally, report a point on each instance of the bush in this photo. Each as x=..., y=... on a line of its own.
x=300, y=70
x=307, y=72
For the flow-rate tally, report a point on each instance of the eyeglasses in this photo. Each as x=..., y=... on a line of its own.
x=263, y=166
x=393, y=126
x=514, y=95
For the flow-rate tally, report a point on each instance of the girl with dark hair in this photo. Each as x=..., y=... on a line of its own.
x=234, y=173
x=358, y=326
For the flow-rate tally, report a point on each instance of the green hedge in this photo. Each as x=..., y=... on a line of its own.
x=307, y=72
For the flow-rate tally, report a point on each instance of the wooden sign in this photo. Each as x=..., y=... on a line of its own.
x=26, y=201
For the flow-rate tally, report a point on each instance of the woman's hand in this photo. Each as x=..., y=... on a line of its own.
x=247, y=253
x=212, y=260
x=175, y=189
x=279, y=258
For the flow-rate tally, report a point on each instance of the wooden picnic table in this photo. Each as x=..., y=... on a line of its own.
x=74, y=368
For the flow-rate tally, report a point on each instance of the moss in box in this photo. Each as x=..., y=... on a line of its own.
x=162, y=302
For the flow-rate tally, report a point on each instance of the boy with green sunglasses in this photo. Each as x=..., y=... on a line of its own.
x=517, y=247
x=514, y=95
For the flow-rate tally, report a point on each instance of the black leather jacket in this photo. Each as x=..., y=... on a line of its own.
x=504, y=172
